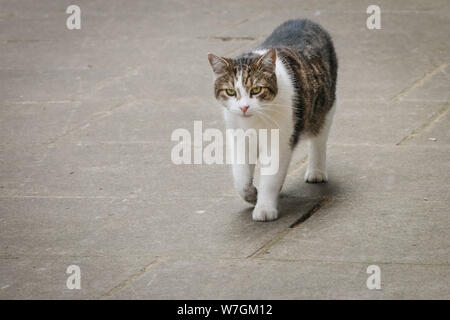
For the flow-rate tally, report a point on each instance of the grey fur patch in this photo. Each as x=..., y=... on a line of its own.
x=308, y=52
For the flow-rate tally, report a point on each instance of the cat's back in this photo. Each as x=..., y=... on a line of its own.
x=302, y=36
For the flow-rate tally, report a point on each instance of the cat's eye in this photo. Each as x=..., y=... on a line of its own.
x=230, y=92
x=255, y=90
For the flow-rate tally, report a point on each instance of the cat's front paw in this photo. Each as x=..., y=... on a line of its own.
x=249, y=194
x=316, y=176
x=264, y=213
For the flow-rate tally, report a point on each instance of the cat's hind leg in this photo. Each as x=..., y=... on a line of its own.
x=316, y=171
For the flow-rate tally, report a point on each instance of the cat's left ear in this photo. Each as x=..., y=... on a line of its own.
x=268, y=59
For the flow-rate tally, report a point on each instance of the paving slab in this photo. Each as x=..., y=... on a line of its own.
x=360, y=121
x=86, y=176
x=45, y=276
x=268, y=279
x=401, y=171
x=111, y=226
x=433, y=133
x=389, y=206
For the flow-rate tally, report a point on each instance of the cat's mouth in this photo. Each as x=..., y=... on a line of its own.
x=240, y=114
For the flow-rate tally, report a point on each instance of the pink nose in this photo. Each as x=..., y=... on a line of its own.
x=244, y=109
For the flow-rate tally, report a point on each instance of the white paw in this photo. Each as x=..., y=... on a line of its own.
x=264, y=213
x=316, y=176
x=249, y=194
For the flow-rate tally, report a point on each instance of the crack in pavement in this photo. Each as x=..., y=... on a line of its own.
x=94, y=118
x=420, y=82
x=363, y=262
x=129, y=279
x=436, y=116
x=269, y=244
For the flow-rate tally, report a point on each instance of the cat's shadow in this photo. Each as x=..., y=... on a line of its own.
x=296, y=201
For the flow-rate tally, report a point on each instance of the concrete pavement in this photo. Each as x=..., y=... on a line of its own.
x=86, y=177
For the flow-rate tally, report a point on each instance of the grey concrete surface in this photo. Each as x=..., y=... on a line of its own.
x=86, y=177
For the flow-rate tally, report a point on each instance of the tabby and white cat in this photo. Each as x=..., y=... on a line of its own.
x=287, y=83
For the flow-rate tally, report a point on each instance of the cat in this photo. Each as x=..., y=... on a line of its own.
x=287, y=83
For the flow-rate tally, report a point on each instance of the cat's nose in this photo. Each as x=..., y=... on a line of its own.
x=244, y=109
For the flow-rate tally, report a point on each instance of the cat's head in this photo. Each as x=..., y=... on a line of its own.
x=244, y=84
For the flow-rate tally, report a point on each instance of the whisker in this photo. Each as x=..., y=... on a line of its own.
x=277, y=105
x=277, y=110
x=266, y=116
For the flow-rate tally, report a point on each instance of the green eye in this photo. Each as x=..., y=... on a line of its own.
x=255, y=90
x=230, y=92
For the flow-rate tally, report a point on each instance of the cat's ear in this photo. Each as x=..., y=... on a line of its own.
x=219, y=64
x=268, y=59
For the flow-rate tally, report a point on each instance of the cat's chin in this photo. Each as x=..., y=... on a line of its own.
x=240, y=115
x=244, y=116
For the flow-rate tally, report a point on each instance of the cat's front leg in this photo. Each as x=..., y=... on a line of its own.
x=266, y=208
x=243, y=160
x=243, y=182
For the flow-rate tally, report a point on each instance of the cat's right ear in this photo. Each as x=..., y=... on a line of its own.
x=219, y=64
